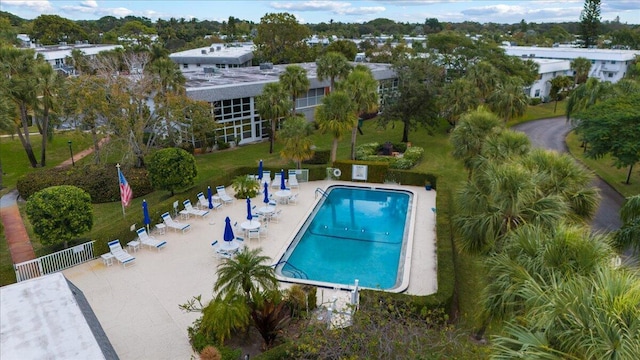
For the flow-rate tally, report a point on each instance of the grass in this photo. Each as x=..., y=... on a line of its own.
x=604, y=168
x=540, y=111
x=15, y=163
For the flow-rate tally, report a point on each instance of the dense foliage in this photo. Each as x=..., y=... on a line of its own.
x=172, y=169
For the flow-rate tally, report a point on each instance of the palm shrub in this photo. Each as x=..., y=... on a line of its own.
x=245, y=187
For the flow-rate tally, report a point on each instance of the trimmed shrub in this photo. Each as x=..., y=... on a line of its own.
x=100, y=181
x=319, y=157
x=172, y=169
x=412, y=155
x=535, y=101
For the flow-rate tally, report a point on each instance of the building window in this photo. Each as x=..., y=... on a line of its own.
x=610, y=75
x=313, y=97
x=185, y=66
x=613, y=61
x=537, y=94
x=197, y=65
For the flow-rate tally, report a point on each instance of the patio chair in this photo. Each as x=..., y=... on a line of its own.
x=293, y=199
x=254, y=234
x=222, y=193
x=203, y=202
x=275, y=183
x=120, y=254
x=175, y=225
x=150, y=241
x=222, y=254
x=293, y=180
x=276, y=216
x=191, y=210
x=263, y=232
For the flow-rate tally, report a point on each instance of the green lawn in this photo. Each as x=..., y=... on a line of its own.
x=540, y=111
x=16, y=164
x=604, y=168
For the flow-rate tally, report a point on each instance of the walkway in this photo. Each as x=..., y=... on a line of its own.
x=15, y=233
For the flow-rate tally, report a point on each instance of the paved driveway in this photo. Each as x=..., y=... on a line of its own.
x=550, y=134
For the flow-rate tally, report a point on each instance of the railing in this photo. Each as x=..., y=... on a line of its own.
x=294, y=271
x=322, y=193
x=54, y=262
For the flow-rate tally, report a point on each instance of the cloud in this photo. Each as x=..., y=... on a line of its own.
x=334, y=7
x=501, y=12
x=42, y=6
x=620, y=5
x=90, y=3
x=97, y=11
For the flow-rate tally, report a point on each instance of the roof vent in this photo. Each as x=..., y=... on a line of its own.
x=211, y=49
x=218, y=48
x=204, y=52
x=266, y=66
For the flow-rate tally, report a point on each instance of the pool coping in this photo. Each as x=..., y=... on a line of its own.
x=406, y=251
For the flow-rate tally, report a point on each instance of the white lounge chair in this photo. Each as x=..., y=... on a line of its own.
x=120, y=254
x=191, y=210
x=293, y=180
x=150, y=241
x=203, y=202
x=223, y=254
x=275, y=183
x=175, y=225
x=222, y=193
x=253, y=234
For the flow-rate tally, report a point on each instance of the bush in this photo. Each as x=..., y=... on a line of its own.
x=222, y=145
x=172, y=169
x=245, y=187
x=535, y=101
x=100, y=181
x=320, y=157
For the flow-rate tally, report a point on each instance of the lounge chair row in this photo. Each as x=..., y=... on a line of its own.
x=292, y=179
x=123, y=257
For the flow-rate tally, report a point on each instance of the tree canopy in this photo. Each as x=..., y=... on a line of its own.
x=172, y=169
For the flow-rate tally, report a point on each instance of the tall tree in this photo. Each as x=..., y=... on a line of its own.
x=469, y=137
x=613, y=127
x=48, y=84
x=335, y=116
x=273, y=104
x=280, y=39
x=458, y=97
x=332, y=65
x=485, y=77
x=362, y=88
x=581, y=66
x=559, y=86
x=508, y=99
x=414, y=102
x=169, y=80
x=590, y=23
x=628, y=236
x=294, y=80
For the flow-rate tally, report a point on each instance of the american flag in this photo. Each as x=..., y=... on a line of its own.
x=125, y=190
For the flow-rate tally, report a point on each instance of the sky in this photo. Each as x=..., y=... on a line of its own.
x=314, y=12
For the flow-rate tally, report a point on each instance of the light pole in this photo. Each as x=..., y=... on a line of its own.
x=71, y=152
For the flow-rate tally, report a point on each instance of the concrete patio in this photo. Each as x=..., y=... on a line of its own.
x=138, y=306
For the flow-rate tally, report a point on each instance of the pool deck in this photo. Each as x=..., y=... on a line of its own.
x=138, y=305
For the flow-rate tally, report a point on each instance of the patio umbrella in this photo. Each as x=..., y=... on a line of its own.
x=210, y=197
x=145, y=212
x=266, y=193
x=228, y=231
x=249, y=216
x=260, y=170
x=282, y=186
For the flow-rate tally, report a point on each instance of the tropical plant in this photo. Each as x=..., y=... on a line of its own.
x=245, y=187
x=469, y=136
x=48, y=84
x=298, y=146
x=273, y=104
x=60, y=213
x=508, y=100
x=362, y=89
x=332, y=65
x=581, y=66
x=335, y=116
x=628, y=236
x=458, y=97
x=172, y=169
x=294, y=81
x=559, y=86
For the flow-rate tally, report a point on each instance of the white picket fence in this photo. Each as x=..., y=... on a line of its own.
x=55, y=262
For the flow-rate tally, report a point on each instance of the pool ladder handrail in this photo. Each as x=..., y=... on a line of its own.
x=322, y=192
x=298, y=274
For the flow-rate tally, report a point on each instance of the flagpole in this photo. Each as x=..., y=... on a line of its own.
x=121, y=203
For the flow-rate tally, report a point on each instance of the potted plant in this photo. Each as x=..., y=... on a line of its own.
x=245, y=187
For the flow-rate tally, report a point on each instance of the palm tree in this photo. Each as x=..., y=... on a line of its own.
x=587, y=95
x=629, y=234
x=273, y=104
x=362, y=88
x=48, y=84
x=458, y=97
x=508, y=99
x=485, y=77
x=469, y=136
x=559, y=85
x=332, y=65
x=298, y=146
x=245, y=274
x=581, y=66
x=503, y=146
x=168, y=80
x=335, y=116
x=90, y=91
x=294, y=80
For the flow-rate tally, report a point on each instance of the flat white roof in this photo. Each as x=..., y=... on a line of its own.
x=552, y=65
x=62, y=51
x=42, y=320
x=215, y=53
x=571, y=53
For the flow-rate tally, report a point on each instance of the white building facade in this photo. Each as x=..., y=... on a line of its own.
x=56, y=55
x=548, y=69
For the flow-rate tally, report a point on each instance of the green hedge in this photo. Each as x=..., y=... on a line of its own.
x=377, y=171
x=411, y=156
x=100, y=181
x=319, y=157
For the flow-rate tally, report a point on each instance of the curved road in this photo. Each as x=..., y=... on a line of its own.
x=551, y=134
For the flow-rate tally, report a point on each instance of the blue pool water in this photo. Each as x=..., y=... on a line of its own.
x=352, y=233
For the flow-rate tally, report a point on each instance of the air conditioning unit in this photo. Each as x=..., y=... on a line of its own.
x=218, y=48
x=266, y=66
x=211, y=49
x=204, y=52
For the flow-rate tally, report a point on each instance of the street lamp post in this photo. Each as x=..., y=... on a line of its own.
x=71, y=152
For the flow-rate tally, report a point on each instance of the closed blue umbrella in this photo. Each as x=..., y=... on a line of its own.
x=282, y=186
x=145, y=212
x=228, y=231
x=266, y=193
x=210, y=197
x=260, y=170
x=249, y=216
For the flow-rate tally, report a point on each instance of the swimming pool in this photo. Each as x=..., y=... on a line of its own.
x=353, y=232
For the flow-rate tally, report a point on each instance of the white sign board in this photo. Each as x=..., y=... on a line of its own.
x=359, y=172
